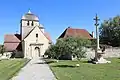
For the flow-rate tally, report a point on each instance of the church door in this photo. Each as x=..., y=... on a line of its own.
x=37, y=52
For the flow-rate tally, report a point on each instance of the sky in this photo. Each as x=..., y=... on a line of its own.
x=56, y=15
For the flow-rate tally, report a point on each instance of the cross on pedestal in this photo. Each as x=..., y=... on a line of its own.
x=98, y=52
x=97, y=30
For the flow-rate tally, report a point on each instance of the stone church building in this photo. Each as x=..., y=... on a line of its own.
x=32, y=41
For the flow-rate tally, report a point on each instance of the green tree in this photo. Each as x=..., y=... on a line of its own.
x=2, y=49
x=110, y=31
x=68, y=46
x=51, y=51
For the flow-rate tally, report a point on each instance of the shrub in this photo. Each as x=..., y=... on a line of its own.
x=68, y=46
x=2, y=49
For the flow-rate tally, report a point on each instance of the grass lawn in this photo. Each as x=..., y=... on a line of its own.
x=8, y=68
x=66, y=70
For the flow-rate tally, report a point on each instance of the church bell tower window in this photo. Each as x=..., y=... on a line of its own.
x=32, y=23
x=28, y=23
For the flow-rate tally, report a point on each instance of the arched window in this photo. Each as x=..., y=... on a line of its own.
x=28, y=23
x=32, y=23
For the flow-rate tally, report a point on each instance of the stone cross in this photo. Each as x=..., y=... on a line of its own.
x=97, y=32
x=98, y=52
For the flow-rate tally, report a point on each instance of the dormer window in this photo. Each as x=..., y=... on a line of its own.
x=28, y=23
x=32, y=23
x=36, y=35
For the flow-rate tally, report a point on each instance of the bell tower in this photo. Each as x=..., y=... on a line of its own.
x=27, y=23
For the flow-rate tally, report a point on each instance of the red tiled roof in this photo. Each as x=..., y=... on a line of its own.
x=47, y=36
x=76, y=33
x=10, y=46
x=12, y=38
x=12, y=42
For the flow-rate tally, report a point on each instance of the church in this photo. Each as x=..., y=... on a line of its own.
x=32, y=42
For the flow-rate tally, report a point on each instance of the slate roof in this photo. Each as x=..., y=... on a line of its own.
x=72, y=32
x=30, y=16
x=12, y=42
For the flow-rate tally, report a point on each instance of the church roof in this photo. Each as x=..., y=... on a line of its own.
x=12, y=42
x=12, y=38
x=12, y=46
x=72, y=32
x=48, y=36
x=30, y=16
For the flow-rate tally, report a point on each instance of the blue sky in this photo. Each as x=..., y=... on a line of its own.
x=56, y=15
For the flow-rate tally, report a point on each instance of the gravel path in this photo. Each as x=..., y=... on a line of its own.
x=36, y=69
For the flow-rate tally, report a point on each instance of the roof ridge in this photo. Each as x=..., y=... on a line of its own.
x=76, y=28
x=9, y=34
x=11, y=38
x=76, y=32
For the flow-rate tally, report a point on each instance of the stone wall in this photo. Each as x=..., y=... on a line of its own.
x=17, y=54
x=109, y=52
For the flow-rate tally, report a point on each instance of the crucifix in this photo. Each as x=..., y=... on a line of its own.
x=97, y=30
x=98, y=52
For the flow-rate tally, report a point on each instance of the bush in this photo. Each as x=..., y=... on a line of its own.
x=2, y=49
x=69, y=46
x=51, y=51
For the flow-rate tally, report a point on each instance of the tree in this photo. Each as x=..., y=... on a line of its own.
x=81, y=44
x=51, y=51
x=2, y=49
x=68, y=46
x=110, y=31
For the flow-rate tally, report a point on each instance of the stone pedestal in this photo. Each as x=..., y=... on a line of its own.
x=99, y=57
x=98, y=52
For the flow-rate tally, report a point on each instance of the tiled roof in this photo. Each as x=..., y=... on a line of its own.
x=70, y=32
x=30, y=16
x=47, y=36
x=12, y=38
x=12, y=42
x=11, y=46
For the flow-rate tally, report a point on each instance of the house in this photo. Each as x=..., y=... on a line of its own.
x=72, y=32
x=32, y=41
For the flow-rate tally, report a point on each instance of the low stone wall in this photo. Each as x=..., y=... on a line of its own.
x=18, y=54
x=90, y=53
x=109, y=52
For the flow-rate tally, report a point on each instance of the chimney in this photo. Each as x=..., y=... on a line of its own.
x=93, y=35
